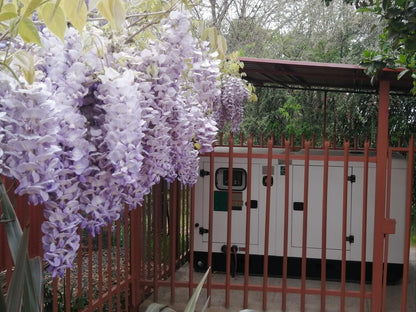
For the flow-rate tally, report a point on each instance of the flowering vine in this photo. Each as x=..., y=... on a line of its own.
x=100, y=125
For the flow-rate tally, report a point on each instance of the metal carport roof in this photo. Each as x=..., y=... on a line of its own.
x=319, y=76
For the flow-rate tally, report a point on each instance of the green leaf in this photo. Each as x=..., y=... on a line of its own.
x=221, y=46
x=9, y=7
x=402, y=73
x=32, y=293
x=26, y=63
x=28, y=31
x=157, y=307
x=11, y=224
x=211, y=35
x=31, y=7
x=54, y=19
x=2, y=300
x=55, y=7
x=113, y=11
x=4, y=16
x=15, y=293
x=205, y=307
x=190, y=307
x=77, y=14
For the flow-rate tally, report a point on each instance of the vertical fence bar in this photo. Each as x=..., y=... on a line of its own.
x=380, y=200
x=118, y=263
x=67, y=290
x=248, y=220
x=80, y=267
x=135, y=260
x=286, y=224
x=163, y=231
x=344, y=226
x=100, y=271
x=408, y=218
x=90, y=282
x=172, y=233
x=324, y=224
x=305, y=227
x=191, y=241
x=55, y=294
x=156, y=239
x=150, y=235
x=386, y=237
x=126, y=258
x=229, y=220
x=109, y=267
x=210, y=221
x=364, y=228
x=267, y=221
x=182, y=219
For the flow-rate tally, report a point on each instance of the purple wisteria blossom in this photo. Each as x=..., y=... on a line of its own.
x=98, y=128
x=229, y=105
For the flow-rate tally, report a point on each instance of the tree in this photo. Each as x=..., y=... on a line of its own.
x=397, y=43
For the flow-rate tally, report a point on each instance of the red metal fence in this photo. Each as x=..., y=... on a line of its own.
x=139, y=255
x=117, y=269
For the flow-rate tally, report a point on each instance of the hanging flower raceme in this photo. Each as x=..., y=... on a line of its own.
x=229, y=105
x=98, y=128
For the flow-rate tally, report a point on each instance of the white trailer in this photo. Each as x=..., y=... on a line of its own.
x=334, y=239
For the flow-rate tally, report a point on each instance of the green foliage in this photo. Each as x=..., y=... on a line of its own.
x=25, y=289
x=397, y=43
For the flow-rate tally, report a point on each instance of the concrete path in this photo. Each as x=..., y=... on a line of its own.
x=393, y=294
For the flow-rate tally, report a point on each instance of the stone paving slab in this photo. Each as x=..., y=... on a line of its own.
x=393, y=294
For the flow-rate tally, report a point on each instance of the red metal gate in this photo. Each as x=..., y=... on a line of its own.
x=391, y=222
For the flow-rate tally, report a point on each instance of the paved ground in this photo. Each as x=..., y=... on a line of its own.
x=393, y=295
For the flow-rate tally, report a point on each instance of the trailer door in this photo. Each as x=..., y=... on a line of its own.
x=239, y=203
x=334, y=213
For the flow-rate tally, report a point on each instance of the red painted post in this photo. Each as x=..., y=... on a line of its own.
x=248, y=220
x=305, y=227
x=191, y=241
x=229, y=220
x=407, y=224
x=380, y=201
x=210, y=221
x=68, y=290
x=172, y=233
x=89, y=274
x=324, y=224
x=157, y=194
x=286, y=224
x=109, y=267
x=267, y=222
x=100, y=270
x=386, y=237
x=344, y=226
x=364, y=227
x=135, y=231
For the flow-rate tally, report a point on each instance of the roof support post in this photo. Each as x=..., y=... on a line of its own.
x=380, y=198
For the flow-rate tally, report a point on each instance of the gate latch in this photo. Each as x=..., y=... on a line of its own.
x=389, y=226
x=351, y=178
x=350, y=239
x=202, y=230
x=203, y=173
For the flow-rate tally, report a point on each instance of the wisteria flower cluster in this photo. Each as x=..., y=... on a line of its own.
x=100, y=126
x=229, y=105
